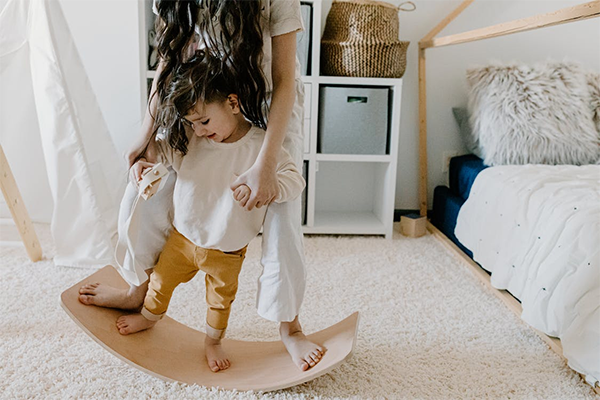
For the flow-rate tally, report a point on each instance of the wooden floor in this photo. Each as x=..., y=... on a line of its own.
x=510, y=301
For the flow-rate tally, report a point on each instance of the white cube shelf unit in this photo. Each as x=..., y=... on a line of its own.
x=349, y=194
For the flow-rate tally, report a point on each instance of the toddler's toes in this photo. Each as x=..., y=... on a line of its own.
x=303, y=365
x=85, y=289
x=90, y=286
x=313, y=358
x=214, y=367
x=121, y=324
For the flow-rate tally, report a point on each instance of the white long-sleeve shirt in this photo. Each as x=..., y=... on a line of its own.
x=204, y=208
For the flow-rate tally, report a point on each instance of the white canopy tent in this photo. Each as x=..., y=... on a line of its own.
x=54, y=136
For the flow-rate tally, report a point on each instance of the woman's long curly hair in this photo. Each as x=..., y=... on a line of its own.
x=231, y=33
x=195, y=81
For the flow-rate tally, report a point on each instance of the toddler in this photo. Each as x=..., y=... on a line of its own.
x=211, y=226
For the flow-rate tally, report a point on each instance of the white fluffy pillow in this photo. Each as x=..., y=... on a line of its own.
x=541, y=114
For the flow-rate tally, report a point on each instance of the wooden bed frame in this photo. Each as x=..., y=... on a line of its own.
x=507, y=298
x=565, y=15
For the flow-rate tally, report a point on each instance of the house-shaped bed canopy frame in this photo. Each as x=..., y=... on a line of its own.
x=565, y=15
x=570, y=14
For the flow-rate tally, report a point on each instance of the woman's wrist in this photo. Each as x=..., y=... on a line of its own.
x=267, y=160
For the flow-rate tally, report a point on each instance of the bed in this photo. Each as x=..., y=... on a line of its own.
x=536, y=230
x=533, y=229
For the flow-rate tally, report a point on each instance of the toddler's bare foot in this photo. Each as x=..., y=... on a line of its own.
x=216, y=357
x=133, y=323
x=107, y=296
x=304, y=353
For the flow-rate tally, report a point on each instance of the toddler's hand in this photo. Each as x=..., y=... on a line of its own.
x=137, y=170
x=261, y=178
x=241, y=194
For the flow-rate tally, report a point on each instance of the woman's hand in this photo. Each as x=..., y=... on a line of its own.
x=145, y=148
x=261, y=178
x=137, y=170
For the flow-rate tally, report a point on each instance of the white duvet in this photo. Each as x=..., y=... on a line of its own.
x=536, y=228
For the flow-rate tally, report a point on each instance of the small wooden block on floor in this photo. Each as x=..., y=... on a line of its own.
x=174, y=352
x=413, y=225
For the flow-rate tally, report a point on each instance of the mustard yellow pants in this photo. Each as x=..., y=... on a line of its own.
x=178, y=263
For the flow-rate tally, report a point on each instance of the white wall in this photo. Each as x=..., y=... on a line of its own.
x=107, y=36
x=446, y=86
x=107, y=33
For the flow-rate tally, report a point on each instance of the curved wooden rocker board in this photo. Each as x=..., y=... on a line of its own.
x=174, y=352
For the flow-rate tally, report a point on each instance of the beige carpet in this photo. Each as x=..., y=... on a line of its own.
x=429, y=330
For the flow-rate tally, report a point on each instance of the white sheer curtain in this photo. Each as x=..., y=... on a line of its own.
x=54, y=135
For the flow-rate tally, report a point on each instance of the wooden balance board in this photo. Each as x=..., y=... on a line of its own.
x=174, y=352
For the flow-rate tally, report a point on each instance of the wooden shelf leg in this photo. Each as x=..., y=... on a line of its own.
x=422, y=134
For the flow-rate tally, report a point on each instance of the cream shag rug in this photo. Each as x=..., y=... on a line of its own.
x=428, y=330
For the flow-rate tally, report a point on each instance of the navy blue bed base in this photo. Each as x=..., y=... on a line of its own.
x=447, y=201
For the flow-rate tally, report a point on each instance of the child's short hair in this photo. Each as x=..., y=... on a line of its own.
x=199, y=79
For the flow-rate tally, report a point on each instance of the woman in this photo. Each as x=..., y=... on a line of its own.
x=256, y=41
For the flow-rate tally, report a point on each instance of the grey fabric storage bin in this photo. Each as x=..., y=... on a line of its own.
x=353, y=120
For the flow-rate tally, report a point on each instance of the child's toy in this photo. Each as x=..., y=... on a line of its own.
x=173, y=351
x=413, y=225
x=151, y=181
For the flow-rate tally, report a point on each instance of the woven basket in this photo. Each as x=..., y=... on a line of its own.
x=383, y=60
x=361, y=40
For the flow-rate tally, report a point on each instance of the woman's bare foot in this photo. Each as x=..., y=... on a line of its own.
x=304, y=353
x=107, y=296
x=133, y=323
x=216, y=357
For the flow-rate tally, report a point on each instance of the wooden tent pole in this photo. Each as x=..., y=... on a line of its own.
x=13, y=199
